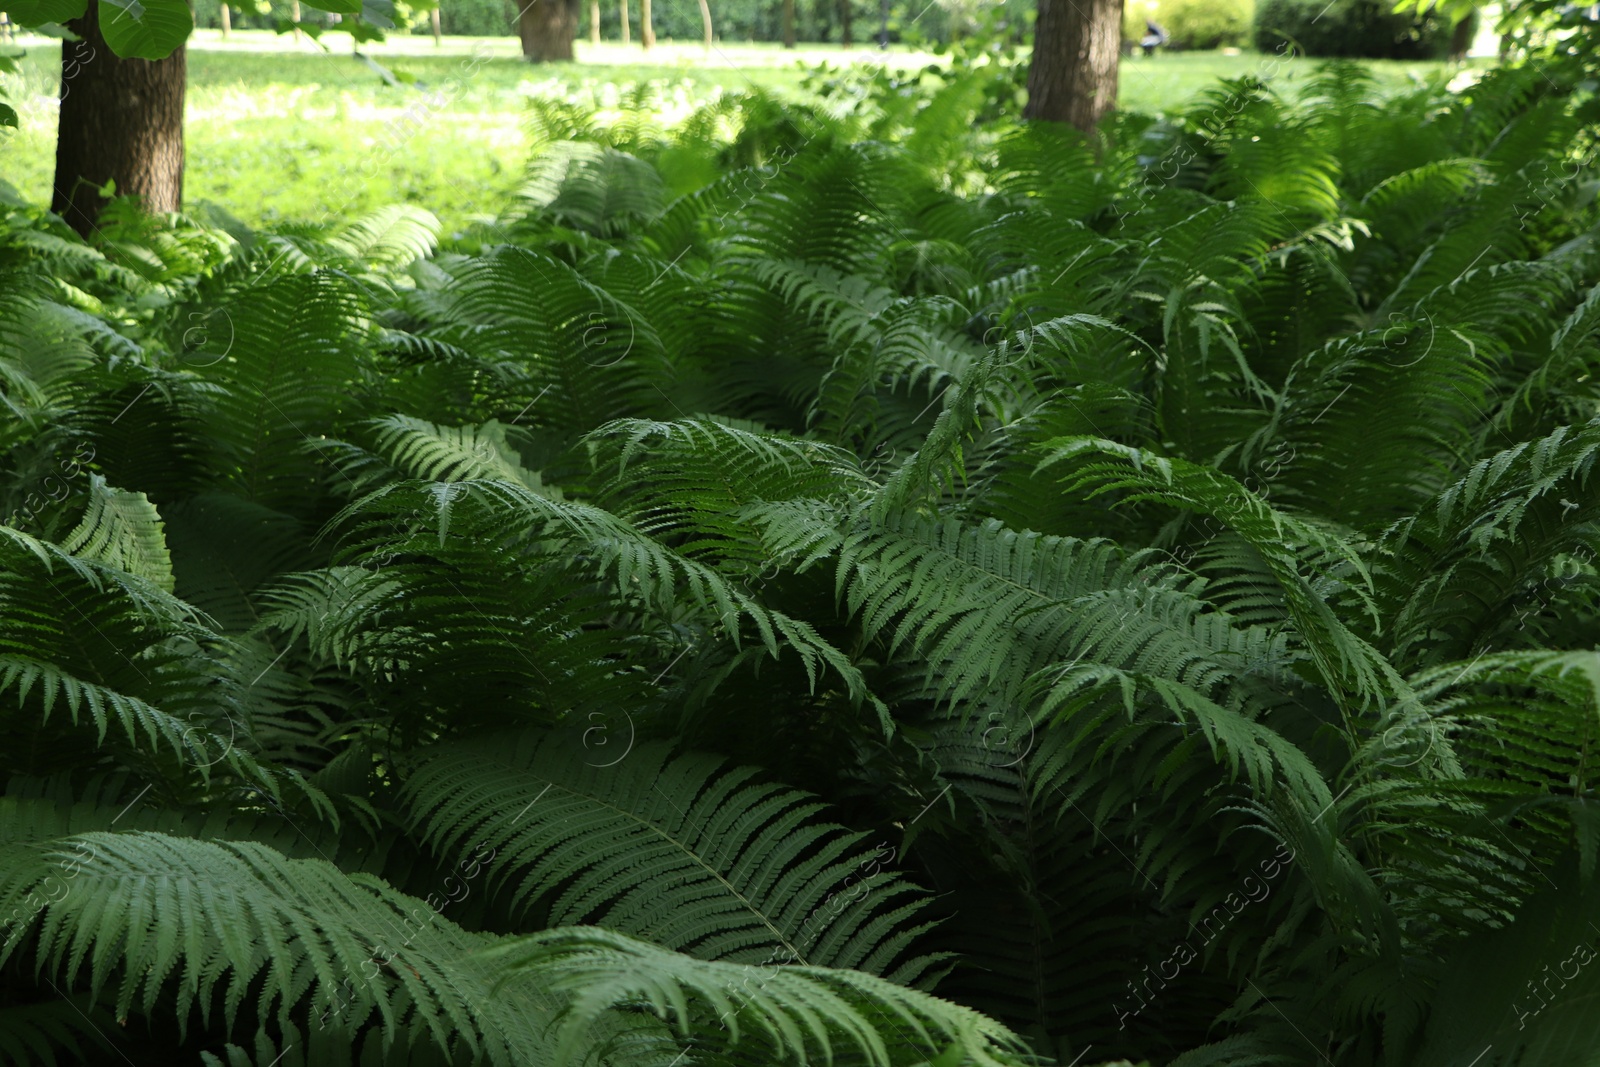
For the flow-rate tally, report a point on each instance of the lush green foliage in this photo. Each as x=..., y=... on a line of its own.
x=1191, y=23
x=1351, y=28
x=799, y=589
x=276, y=136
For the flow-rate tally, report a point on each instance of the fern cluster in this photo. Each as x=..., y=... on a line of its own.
x=875, y=590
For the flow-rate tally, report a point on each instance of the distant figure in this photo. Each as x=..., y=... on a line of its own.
x=1154, y=37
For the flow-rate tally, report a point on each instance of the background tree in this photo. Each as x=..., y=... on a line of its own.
x=1073, y=75
x=705, y=21
x=647, y=32
x=121, y=124
x=122, y=85
x=547, y=28
x=788, y=23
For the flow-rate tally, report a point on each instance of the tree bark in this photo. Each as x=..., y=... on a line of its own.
x=788, y=23
x=438, y=31
x=627, y=31
x=547, y=28
x=647, y=32
x=705, y=22
x=594, y=21
x=227, y=20
x=121, y=121
x=294, y=13
x=845, y=40
x=1073, y=75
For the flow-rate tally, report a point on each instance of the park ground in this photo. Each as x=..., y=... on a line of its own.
x=279, y=130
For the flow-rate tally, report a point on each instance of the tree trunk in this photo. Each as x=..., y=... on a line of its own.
x=627, y=31
x=883, y=32
x=547, y=28
x=844, y=23
x=647, y=32
x=294, y=13
x=594, y=21
x=705, y=22
x=1073, y=76
x=438, y=31
x=788, y=23
x=121, y=121
x=227, y=20
x=1461, y=36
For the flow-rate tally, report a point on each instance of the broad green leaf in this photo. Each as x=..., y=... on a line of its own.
x=339, y=7
x=379, y=13
x=139, y=30
x=38, y=12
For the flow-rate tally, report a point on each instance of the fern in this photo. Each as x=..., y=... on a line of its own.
x=796, y=1014
x=693, y=856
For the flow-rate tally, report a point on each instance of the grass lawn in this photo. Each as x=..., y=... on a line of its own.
x=278, y=130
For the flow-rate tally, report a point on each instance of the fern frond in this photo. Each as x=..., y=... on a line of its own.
x=794, y=1014
x=683, y=851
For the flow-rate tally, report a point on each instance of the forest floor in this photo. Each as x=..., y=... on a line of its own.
x=283, y=130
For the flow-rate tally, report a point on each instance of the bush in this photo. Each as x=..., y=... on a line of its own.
x=477, y=18
x=1193, y=24
x=1364, y=28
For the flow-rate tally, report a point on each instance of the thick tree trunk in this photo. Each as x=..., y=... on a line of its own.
x=227, y=20
x=121, y=121
x=594, y=21
x=627, y=31
x=647, y=32
x=438, y=31
x=1461, y=37
x=1073, y=76
x=845, y=40
x=788, y=23
x=705, y=22
x=547, y=28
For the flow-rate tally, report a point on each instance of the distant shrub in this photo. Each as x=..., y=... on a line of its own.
x=476, y=18
x=1192, y=24
x=1364, y=28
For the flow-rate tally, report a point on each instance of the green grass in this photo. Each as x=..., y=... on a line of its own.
x=279, y=131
